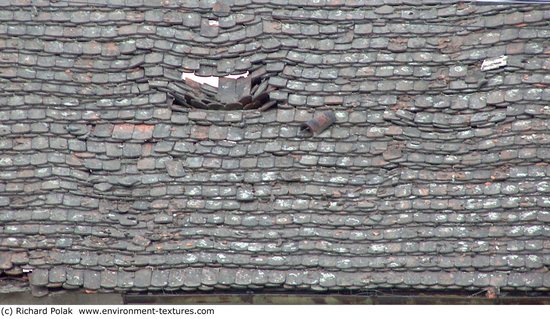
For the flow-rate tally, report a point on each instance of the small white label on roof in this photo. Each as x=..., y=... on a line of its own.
x=494, y=63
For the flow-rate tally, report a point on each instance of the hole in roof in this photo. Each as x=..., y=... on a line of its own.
x=244, y=91
x=210, y=80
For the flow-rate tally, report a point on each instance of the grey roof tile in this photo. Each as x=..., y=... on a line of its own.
x=143, y=278
x=92, y=279
x=159, y=278
x=108, y=279
x=175, y=168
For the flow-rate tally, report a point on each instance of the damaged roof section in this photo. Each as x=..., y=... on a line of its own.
x=250, y=91
x=115, y=175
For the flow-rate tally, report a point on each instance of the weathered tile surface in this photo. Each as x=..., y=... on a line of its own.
x=434, y=176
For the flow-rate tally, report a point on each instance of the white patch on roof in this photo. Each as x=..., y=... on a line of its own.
x=494, y=63
x=210, y=80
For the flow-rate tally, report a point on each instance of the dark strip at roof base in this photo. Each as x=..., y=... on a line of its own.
x=434, y=174
x=513, y=1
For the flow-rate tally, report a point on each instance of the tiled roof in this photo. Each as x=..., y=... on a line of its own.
x=434, y=176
